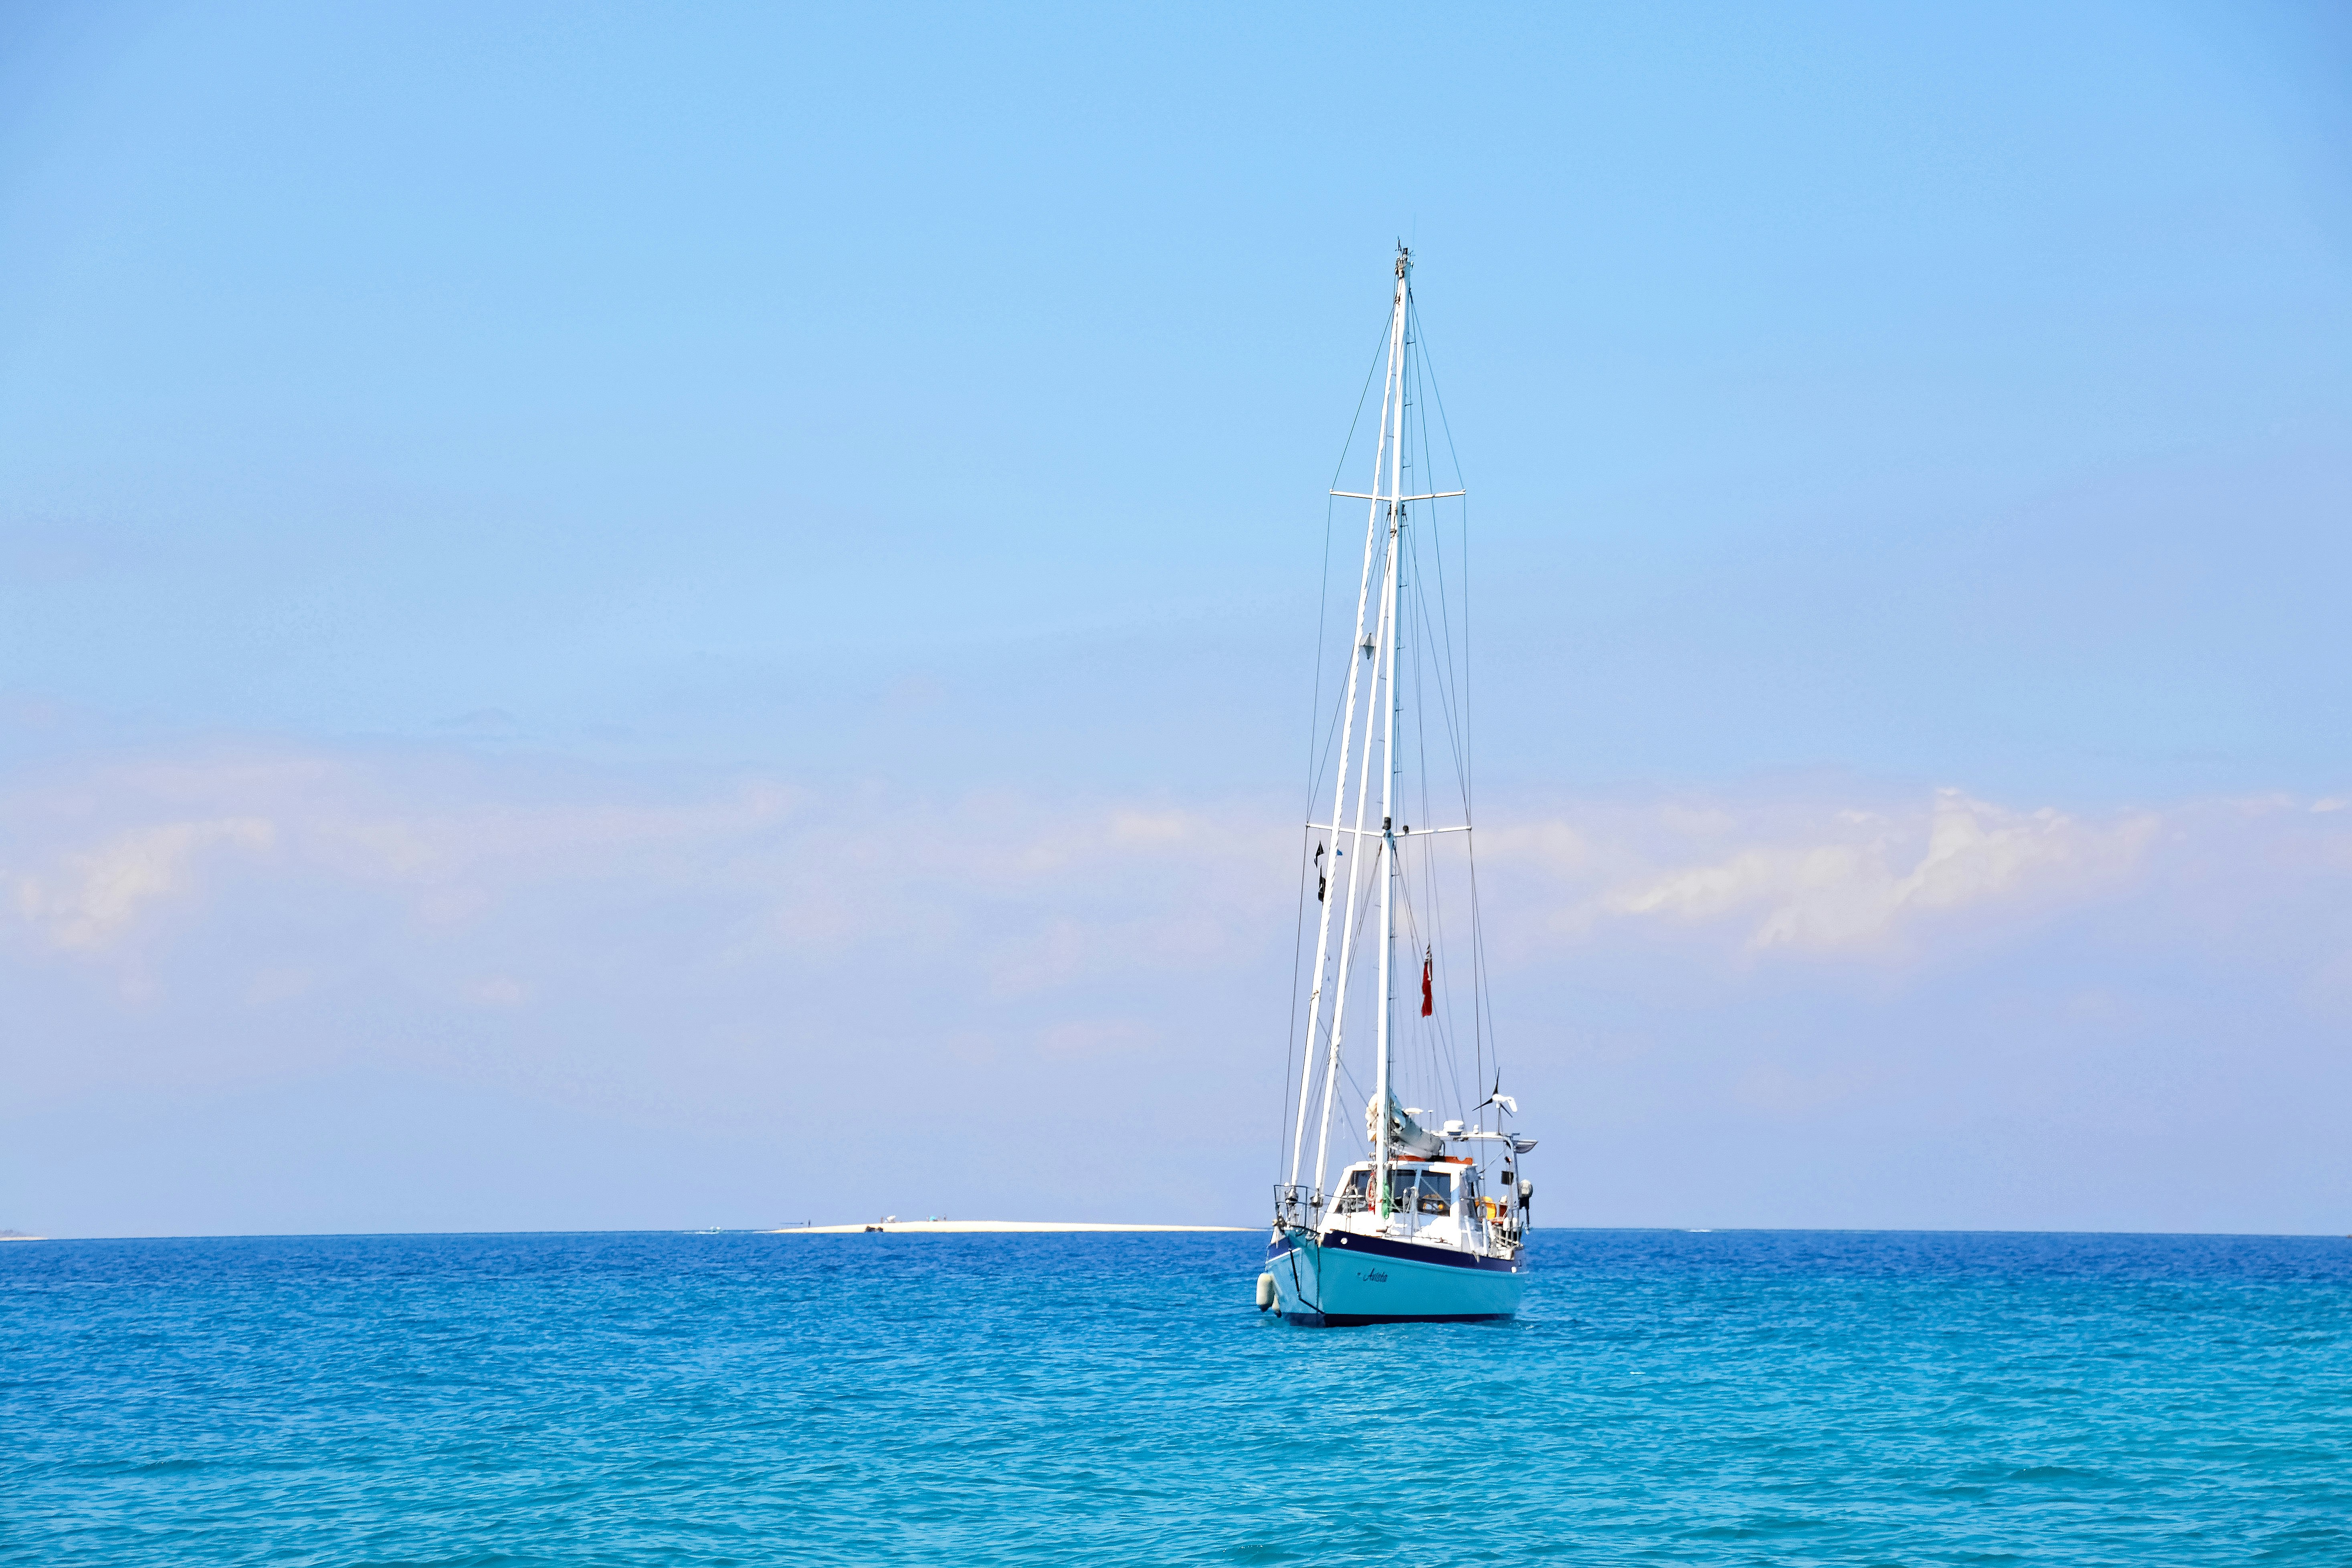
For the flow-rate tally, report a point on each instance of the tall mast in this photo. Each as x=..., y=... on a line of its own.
x=1388, y=739
x=1331, y=896
x=1391, y=408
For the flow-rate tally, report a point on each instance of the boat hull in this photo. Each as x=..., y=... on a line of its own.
x=1337, y=1279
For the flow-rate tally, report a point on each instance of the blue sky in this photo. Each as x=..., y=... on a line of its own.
x=580, y=589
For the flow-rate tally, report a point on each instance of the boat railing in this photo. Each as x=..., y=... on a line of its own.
x=1294, y=1205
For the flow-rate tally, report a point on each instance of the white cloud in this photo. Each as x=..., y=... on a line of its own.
x=1027, y=897
x=1840, y=878
x=1017, y=898
x=722, y=953
x=95, y=895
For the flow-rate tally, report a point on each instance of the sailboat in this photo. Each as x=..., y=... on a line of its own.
x=1430, y=1223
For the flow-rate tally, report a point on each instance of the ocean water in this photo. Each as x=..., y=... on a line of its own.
x=1734, y=1397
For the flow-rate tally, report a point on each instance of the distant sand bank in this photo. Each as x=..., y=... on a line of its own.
x=943, y=1226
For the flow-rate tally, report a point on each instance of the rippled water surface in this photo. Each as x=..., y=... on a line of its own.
x=1766, y=1397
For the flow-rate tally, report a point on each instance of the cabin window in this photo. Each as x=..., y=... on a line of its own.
x=1421, y=1192
x=1436, y=1195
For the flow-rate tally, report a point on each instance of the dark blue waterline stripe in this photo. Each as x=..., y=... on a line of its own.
x=1412, y=1252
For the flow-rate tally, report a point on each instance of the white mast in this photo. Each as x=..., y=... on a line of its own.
x=1392, y=434
x=1348, y=929
x=1388, y=743
x=1380, y=652
x=1330, y=897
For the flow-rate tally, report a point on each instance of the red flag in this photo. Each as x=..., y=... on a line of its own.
x=1428, y=1004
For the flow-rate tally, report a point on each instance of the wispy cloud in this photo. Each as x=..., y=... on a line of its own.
x=741, y=954
x=1025, y=896
x=1854, y=880
x=90, y=897
x=1036, y=895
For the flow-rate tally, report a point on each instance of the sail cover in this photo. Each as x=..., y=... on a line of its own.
x=1406, y=1136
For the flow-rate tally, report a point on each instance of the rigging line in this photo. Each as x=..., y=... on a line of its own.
x=1446, y=700
x=1420, y=707
x=1436, y=888
x=1437, y=396
x=1330, y=738
x=1427, y=376
x=1481, y=1011
x=1438, y=911
x=1442, y=1033
x=1358, y=915
x=1439, y=628
x=1323, y=605
x=1436, y=674
x=1446, y=1074
x=1450, y=697
x=1314, y=769
x=1445, y=626
x=1361, y=915
x=1481, y=997
x=1443, y=630
x=1354, y=920
x=1404, y=390
x=1379, y=348
x=1317, y=757
x=1297, y=947
x=1412, y=931
x=1323, y=601
x=1445, y=984
x=1445, y=427
x=1322, y=619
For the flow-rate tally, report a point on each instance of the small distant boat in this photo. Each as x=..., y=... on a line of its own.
x=1430, y=1225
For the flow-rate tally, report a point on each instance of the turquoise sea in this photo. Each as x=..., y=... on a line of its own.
x=1733, y=1398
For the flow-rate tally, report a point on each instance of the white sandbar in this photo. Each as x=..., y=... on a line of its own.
x=942, y=1226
